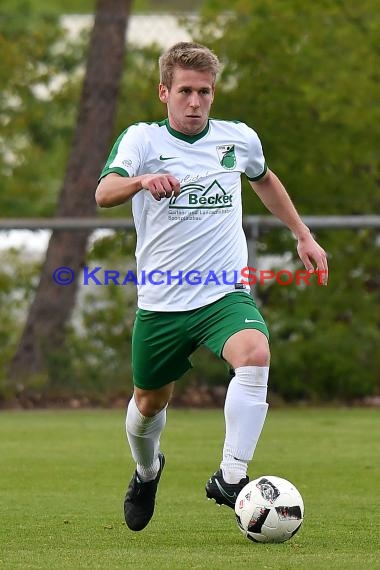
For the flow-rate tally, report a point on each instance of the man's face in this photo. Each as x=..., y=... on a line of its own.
x=189, y=100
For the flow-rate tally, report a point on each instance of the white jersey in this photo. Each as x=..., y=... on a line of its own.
x=190, y=249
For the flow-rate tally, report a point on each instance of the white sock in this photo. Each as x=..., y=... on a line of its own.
x=143, y=435
x=245, y=410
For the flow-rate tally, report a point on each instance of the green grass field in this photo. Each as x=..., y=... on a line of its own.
x=63, y=477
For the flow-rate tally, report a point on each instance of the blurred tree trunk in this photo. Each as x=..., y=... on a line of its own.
x=44, y=333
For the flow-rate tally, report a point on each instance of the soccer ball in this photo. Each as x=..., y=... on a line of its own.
x=269, y=509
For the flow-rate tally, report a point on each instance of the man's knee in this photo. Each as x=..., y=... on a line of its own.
x=247, y=348
x=256, y=356
x=253, y=356
x=151, y=402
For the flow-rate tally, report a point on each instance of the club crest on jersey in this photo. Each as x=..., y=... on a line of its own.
x=226, y=154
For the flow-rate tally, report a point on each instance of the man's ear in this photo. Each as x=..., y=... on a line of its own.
x=163, y=93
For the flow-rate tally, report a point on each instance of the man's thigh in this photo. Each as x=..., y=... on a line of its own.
x=160, y=349
x=214, y=324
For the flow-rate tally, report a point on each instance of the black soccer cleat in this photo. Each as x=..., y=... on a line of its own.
x=224, y=493
x=140, y=499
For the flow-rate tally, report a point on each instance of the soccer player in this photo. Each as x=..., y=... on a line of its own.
x=183, y=175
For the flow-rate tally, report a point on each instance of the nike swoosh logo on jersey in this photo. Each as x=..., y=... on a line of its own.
x=167, y=157
x=253, y=321
x=223, y=492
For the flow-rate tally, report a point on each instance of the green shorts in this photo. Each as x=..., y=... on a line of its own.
x=163, y=341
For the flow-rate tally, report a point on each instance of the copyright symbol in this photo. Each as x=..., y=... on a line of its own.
x=63, y=275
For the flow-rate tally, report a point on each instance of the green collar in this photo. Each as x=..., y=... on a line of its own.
x=187, y=138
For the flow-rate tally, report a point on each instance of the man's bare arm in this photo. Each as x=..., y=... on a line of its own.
x=114, y=189
x=273, y=195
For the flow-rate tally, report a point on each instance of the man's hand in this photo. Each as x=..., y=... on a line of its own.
x=311, y=252
x=161, y=185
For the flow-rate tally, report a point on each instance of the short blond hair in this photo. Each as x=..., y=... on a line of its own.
x=187, y=55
